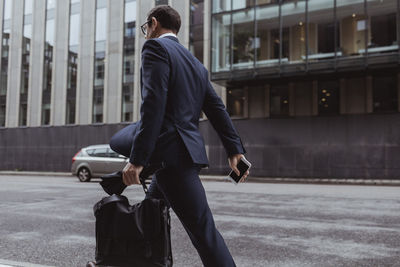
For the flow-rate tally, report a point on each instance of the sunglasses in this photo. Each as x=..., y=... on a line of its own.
x=144, y=27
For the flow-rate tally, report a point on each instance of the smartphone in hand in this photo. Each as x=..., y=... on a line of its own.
x=243, y=166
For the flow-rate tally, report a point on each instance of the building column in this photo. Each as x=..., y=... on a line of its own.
x=113, y=65
x=143, y=7
x=84, y=90
x=14, y=64
x=36, y=64
x=183, y=8
x=60, y=69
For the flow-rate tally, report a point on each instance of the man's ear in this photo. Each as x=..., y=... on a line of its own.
x=154, y=23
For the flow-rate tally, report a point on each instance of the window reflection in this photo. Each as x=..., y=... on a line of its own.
x=196, y=28
x=129, y=60
x=383, y=26
x=99, y=63
x=221, y=42
x=267, y=39
x=26, y=48
x=353, y=27
x=244, y=42
x=221, y=5
x=321, y=31
x=48, y=62
x=293, y=18
x=74, y=24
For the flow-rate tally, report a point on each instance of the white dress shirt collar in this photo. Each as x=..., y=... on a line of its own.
x=167, y=34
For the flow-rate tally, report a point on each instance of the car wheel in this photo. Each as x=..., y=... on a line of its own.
x=84, y=174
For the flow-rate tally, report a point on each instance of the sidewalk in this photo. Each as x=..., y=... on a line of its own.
x=220, y=178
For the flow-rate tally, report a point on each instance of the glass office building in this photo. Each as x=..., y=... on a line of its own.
x=306, y=58
x=312, y=85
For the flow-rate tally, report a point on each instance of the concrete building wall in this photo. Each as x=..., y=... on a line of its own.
x=37, y=59
x=113, y=66
x=60, y=62
x=84, y=94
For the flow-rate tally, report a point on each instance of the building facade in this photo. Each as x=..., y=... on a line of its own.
x=312, y=85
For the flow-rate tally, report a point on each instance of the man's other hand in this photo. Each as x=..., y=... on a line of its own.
x=130, y=174
x=233, y=162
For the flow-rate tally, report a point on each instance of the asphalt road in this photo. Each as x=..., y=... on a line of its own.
x=49, y=221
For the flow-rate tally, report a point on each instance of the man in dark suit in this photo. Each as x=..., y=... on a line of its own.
x=175, y=89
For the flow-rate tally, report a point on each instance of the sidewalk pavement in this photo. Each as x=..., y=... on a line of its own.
x=220, y=178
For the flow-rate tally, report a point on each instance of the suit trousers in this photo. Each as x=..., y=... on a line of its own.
x=180, y=186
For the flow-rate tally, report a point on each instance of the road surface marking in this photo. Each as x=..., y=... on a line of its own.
x=8, y=263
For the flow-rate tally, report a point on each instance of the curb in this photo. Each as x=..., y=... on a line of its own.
x=220, y=178
x=26, y=173
x=333, y=181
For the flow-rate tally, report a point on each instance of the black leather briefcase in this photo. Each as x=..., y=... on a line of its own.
x=132, y=235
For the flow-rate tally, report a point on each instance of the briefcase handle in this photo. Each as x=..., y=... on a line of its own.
x=147, y=171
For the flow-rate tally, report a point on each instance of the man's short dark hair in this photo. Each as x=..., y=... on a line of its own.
x=167, y=16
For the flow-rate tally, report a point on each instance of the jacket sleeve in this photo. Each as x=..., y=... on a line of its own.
x=216, y=112
x=154, y=80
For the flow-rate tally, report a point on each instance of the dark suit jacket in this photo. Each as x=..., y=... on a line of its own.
x=175, y=89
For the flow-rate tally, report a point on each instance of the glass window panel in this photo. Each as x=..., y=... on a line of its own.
x=50, y=32
x=353, y=28
x=28, y=31
x=74, y=32
x=75, y=8
x=328, y=97
x=267, y=40
x=51, y=4
x=385, y=93
x=244, y=42
x=100, y=152
x=235, y=102
x=101, y=24
x=101, y=4
x=321, y=30
x=239, y=4
x=74, y=1
x=221, y=5
x=161, y=2
x=27, y=19
x=293, y=17
x=279, y=100
x=221, y=25
x=129, y=62
x=130, y=11
x=7, y=9
x=196, y=41
x=267, y=2
x=28, y=7
x=383, y=26
x=74, y=29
